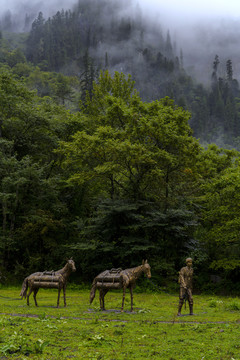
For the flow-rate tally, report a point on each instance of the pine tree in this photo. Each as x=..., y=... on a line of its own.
x=168, y=46
x=7, y=24
x=229, y=70
x=106, y=61
x=181, y=59
x=35, y=41
x=215, y=69
x=87, y=77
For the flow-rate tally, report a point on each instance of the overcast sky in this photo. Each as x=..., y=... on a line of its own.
x=177, y=10
x=196, y=8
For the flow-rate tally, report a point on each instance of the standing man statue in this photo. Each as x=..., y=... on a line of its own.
x=185, y=281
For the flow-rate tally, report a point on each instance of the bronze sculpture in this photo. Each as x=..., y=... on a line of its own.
x=118, y=279
x=48, y=279
x=185, y=281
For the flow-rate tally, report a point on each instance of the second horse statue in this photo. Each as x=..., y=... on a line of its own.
x=118, y=279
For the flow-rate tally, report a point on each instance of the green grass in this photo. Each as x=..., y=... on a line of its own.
x=153, y=330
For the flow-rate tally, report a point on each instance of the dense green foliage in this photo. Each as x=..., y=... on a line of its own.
x=118, y=181
x=90, y=166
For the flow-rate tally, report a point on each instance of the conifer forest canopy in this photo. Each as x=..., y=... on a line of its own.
x=111, y=151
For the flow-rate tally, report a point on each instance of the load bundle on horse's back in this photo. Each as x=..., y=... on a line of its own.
x=48, y=280
x=110, y=279
x=118, y=279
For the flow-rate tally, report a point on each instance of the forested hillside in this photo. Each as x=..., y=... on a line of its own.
x=99, y=123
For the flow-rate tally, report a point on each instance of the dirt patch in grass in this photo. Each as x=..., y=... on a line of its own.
x=111, y=311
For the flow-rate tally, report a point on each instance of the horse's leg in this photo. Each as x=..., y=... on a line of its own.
x=101, y=299
x=58, y=299
x=124, y=292
x=64, y=295
x=131, y=292
x=35, y=291
x=104, y=293
x=29, y=293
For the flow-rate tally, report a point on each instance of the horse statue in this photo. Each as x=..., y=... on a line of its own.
x=118, y=279
x=48, y=280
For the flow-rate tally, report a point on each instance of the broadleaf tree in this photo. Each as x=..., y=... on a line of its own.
x=133, y=153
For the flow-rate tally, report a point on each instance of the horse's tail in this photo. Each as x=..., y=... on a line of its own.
x=24, y=288
x=93, y=290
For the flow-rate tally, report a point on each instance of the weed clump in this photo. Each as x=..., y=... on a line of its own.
x=234, y=305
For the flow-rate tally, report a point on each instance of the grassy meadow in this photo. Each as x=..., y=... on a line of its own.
x=153, y=330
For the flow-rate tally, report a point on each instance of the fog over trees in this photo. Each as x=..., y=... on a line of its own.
x=200, y=37
x=20, y=14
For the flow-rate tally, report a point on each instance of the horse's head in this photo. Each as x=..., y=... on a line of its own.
x=71, y=265
x=146, y=268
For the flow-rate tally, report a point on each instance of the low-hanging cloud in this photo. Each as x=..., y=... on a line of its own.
x=200, y=29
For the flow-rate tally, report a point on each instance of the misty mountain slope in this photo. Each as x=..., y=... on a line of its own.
x=122, y=34
x=205, y=39
x=121, y=41
x=116, y=36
